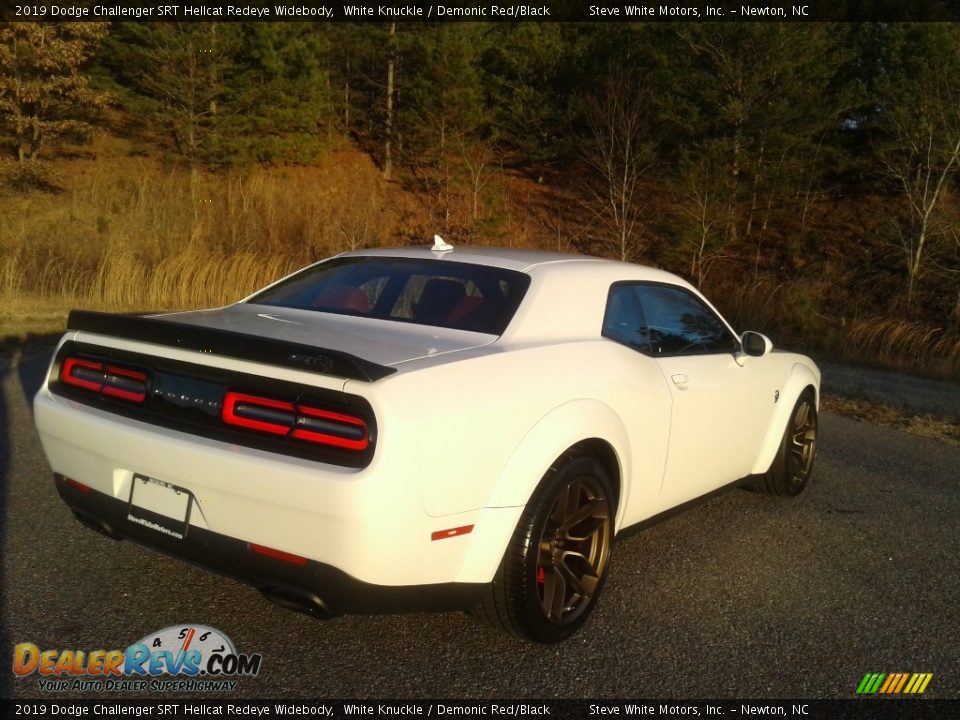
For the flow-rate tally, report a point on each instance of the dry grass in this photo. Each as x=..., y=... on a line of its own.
x=129, y=233
x=903, y=341
x=24, y=315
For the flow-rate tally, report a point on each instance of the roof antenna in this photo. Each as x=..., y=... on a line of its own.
x=439, y=245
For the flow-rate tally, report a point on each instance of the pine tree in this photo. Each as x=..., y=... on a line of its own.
x=755, y=106
x=443, y=120
x=176, y=76
x=278, y=103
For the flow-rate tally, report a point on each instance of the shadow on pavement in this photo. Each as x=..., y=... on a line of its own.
x=28, y=375
x=32, y=373
x=5, y=450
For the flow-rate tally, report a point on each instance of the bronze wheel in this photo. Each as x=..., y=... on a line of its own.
x=793, y=465
x=574, y=550
x=803, y=444
x=556, y=563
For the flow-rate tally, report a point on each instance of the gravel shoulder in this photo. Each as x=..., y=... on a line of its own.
x=907, y=393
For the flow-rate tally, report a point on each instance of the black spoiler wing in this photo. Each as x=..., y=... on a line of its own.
x=228, y=343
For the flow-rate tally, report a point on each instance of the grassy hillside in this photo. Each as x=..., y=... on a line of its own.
x=123, y=230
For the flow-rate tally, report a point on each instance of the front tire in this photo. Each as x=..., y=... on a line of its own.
x=555, y=565
x=792, y=468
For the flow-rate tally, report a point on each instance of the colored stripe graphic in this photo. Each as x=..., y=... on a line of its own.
x=918, y=683
x=894, y=683
x=899, y=687
x=869, y=683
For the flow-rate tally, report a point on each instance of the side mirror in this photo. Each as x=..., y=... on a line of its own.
x=755, y=344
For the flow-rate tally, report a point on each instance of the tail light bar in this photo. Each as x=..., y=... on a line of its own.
x=106, y=379
x=295, y=420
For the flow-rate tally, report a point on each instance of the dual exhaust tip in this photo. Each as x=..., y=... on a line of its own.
x=290, y=598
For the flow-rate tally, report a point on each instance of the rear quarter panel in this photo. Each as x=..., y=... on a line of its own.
x=484, y=429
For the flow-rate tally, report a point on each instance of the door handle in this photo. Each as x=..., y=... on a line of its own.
x=680, y=380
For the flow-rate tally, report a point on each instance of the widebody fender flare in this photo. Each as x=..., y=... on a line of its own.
x=553, y=435
x=801, y=377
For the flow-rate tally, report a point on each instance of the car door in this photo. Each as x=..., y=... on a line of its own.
x=721, y=401
x=721, y=404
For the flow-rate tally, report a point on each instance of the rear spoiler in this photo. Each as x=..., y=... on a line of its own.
x=160, y=331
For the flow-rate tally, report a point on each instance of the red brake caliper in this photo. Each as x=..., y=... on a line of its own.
x=540, y=575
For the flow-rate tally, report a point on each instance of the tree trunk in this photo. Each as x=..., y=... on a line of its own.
x=346, y=101
x=387, y=147
x=213, y=67
x=36, y=141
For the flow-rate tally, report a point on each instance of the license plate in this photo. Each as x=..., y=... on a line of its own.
x=160, y=506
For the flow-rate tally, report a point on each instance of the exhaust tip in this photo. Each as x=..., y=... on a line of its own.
x=298, y=600
x=96, y=524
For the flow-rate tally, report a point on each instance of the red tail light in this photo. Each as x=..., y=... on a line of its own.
x=295, y=420
x=109, y=380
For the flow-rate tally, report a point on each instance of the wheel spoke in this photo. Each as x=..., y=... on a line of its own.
x=573, y=499
x=559, y=512
x=799, y=465
x=584, y=530
x=586, y=583
x=596, y=508
x=570, y=577
x=554, y=593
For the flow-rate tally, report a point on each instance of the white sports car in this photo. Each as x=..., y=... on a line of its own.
x=422, y=429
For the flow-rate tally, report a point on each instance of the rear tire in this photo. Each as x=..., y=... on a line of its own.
x=555, y=566
x=792, y=467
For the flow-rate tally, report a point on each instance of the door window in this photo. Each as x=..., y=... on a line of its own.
x=664, y=320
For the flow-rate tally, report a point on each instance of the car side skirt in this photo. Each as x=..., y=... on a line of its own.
x=315, y=588
x=631, y=530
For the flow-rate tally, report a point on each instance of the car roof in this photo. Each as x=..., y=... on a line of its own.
x=567, y=295
x=533, y=262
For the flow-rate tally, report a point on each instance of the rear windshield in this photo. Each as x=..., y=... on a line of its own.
x=427, y=292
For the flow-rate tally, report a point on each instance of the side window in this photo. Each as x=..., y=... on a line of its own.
x=623, y=320
x=664, y=320
x=678, y=323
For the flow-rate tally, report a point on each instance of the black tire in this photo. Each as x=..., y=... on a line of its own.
x=792, y=467
x=555, y=565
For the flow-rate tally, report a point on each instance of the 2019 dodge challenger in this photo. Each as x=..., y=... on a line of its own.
x=423, y=428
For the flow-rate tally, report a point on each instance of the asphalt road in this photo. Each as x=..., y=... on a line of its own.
x=745, y=596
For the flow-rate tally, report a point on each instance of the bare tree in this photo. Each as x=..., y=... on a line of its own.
x=619, y=155
x=923, y=160
x=704, y=235
x=921, y=112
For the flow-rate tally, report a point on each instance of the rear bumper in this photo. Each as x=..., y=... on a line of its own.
x=313, y=587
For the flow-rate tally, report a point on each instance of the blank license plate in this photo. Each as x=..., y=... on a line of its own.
x=160, y=506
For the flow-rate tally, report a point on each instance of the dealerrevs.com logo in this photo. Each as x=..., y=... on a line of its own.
x=179, y=658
